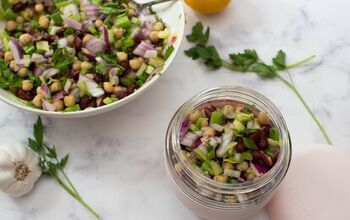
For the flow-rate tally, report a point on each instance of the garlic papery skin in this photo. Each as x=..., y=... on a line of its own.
x=19, y=169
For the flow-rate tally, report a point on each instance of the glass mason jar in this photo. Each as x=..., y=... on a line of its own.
x=212, y=200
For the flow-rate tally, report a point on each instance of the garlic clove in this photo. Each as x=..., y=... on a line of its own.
x=17, y=151
x=6, y=179
x=18, y=188
x=5, y=160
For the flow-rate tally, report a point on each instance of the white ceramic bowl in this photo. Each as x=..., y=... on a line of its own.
x=173, y=15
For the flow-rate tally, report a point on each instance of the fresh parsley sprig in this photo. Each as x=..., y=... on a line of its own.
x=52, y=166
x=247, y=61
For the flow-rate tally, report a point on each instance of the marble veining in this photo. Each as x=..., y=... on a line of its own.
x=116, y=159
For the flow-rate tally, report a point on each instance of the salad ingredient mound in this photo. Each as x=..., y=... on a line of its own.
x=73, y=55
x=229, y=142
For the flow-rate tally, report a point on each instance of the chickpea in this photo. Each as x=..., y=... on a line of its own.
x=118, y=33
x=132, y=12
x=58, y=104
x=27, y=85
x=263, y=118
x=89, y=75
x=194, y=115
x=56, y=87
x=39, y=8
x=98, y=23
x=37, y=100
x=20, y=20
x=69, y=100
x=209, y=132
x=242, y=166
x=85, y=66
x=10, y=26
x=204, y=122
x=118, y=89
x=8, y=56
x=122, y=56
x=70, y=39
x=158, y=26
x=23, y=72
x=25, y=39
x=12, y=65
x=135, y=64
x=44, y=22
x=228, y=165
x=220, y=179
x=86, y=38
x=77, y=65
x=108, y=87
x=154, y=36
x=38, y=91
x=251, y=176
x=29, y=12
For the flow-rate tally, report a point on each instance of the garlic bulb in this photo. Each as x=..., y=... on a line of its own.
x=19, y=169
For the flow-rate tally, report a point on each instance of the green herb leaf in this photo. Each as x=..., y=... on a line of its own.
x=280, y=60
x=208, y=53
x=62, y=60
x=274, y=134
x=264, y=70
x=245, y=60
x=38, y=132
x=249, y=144
x=8, y=79
x=64, y=161
x=198, y=35
x=168, y=52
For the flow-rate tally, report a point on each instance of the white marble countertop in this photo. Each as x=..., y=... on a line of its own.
x=117, y=158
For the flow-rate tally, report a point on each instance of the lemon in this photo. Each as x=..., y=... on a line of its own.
x=207, y=6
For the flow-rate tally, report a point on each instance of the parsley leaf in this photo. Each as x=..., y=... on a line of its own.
x=51, y=165
x=62, y=60
x=280, y=60
x=265, y=70
x=249, y=144
x=8, y=79
x=245, y=60
x=208, y=53
x=198, y=35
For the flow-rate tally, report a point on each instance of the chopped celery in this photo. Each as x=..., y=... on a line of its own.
x=73, y=108
x=246, y=156
x=156, y=62
x=57, y=19
x=202, y=122
x=83, y=89
x=211, y=152
x=136, y=21
x=168, y=52
x=26, y=59
x=215, y=168
x=92, y=29
x=43, y=45
x=193, y=128
x=128, y=42
x=141, y=70
x=109, y=100
x=205, y=167
x=5, y=39
x=239, y=126
x=200, y=154
x=273, y=134
x=149, y=69
x=164, y=34
x=244, y=117
x=127, y=81
x=123, y=22
x=217, y=117
x=9, y=15
x=53, y=30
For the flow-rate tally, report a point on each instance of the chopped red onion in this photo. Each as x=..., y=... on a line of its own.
x=232, y=173
x=259, y=168
x=47, y=106
x=50, y=73
x=150, y=54
x=71, y=23
x=38, y=58
x=67, y=85
x=217, y=127
x=49, y=53
x=99, y=101
x=106, y=38
x=71, y=9
x=94, y=89
x=16, y=50
x=96, y=45
x=38, y=70
x=58, y=96
x=189, y=139
x=141, y=49
x=45, y=90
x=88, y=55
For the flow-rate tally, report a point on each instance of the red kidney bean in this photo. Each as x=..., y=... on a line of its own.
x=263, y=144
x=240, y=146
x=48, y=38
x=78, y=43
x=74, y=74
x=60, y=32
x=256, y=137
x=92, y=103
x=261, y=156
x=130, y=90
x=20, y=6
x=121, y=94
x=208, y=110
x=98, y=78
x=265, y=131
x=24, y=95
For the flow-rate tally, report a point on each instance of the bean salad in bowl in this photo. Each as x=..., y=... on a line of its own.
x=67, y=56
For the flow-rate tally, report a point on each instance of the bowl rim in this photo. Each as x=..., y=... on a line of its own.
x=94, y=111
